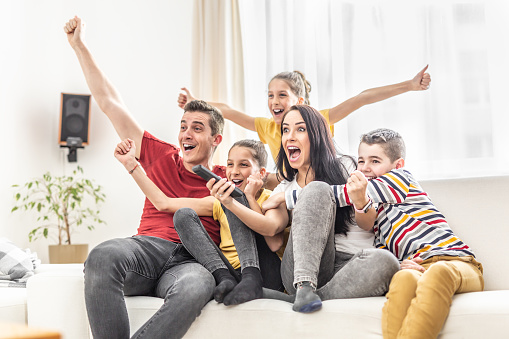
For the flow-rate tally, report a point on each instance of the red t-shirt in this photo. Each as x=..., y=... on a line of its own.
x=165, y=167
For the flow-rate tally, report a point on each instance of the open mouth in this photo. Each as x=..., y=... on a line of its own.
x=370, y=178
x=293, y=153
x=278, y=111
x=237, y=182
x=188, y=147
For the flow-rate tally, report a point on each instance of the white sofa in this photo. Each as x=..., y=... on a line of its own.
x=474, y=208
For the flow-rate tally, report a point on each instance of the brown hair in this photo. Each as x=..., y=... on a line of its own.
x=391, y=142
x=297, y=82
x=257, y=149
x=216, y=120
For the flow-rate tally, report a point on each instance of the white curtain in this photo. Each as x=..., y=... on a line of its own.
x=455, y=129
x=218, y=62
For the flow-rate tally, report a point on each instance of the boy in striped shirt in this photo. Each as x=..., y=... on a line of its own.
x=435, y=264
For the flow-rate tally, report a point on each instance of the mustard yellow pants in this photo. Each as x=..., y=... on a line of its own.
x=418, y=302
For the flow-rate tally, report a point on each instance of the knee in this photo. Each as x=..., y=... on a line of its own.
x=388, y=263
x=404, y=279
x=182, y=215
x=195, y=282
x=317, y=191
x=104, y=254
x=316, y=187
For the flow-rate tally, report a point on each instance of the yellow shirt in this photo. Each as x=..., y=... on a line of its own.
x=226, y=245
x=270, y=133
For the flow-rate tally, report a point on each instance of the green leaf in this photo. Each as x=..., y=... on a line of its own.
x=14, y=209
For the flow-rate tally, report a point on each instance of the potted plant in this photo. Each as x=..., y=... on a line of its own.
x=62, y=204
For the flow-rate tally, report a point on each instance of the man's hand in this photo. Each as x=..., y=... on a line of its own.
x=412, y=264
x=421, y=81
x=75, y=30
x=125, y=152
x=356, y=187
x=274, y=201
x=183, y=99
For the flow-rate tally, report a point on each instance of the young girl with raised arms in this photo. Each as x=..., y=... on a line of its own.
x=291, y=88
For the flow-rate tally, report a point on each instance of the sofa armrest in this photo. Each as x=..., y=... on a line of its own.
x=55, y=299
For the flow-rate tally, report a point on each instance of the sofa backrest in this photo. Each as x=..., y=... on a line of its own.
x=475, y=209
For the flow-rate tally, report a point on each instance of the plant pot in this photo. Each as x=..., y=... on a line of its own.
x=68, y=254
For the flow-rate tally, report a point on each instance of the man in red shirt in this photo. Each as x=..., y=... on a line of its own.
x=153, y=262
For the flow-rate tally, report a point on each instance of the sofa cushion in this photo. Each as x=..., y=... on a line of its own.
x=13, y=305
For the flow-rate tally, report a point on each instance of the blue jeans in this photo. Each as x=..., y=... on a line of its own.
x=147, y=266
x=310, y=254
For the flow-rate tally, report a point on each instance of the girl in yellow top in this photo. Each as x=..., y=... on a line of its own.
x=245, y=169
x=291, y=88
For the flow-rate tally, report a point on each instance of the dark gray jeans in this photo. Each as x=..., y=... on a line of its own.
x=147, y=266
x=198, y=242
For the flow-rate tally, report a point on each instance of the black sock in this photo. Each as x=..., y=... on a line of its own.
x=225, y=282
x=249, y=288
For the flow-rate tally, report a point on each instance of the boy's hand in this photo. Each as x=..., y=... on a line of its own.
x=356, y=187
x=221, y=190
x=412, y=264
x=125, y=152
x=254, y=184
x=183, y=99
x=274, y=202
x=75, y=30
x=421, y=81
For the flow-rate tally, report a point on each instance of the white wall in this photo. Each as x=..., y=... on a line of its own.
x=145, y=49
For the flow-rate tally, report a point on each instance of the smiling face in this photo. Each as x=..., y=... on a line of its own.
x=241, y=165
x=295, y=141
x=280, y=99
x=196, y=140
x=374, y=162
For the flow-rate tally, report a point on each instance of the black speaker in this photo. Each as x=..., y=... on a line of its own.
x=74, y=118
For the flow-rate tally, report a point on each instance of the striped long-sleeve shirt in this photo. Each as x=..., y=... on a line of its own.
x=407, y=222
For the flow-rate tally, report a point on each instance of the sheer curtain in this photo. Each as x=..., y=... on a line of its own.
x=217, y=73
x=455, y=129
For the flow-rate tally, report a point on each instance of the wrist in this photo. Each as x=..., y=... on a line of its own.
x=130, y=163
x=365, y=208
x=132, y=167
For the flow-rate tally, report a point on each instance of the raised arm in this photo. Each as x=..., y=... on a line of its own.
x=419, y=83
x=125, y=151
x=229, y=113
x=103, y=91
x=270, y=224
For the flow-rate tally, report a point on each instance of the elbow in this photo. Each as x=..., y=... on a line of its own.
x=276, y=245
x=162, y=207
x=270, y=232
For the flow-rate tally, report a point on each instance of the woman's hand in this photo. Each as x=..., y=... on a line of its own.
x=274, y=201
